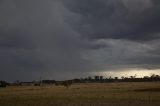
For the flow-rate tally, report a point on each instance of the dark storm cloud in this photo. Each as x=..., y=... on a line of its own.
x=136, y=20
x=67, y=38
x=35, y=39
x=120, y=19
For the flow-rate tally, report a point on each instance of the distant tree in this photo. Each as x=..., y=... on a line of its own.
x=153, y=75
x=115, y=78
x=3, y=84
x=37, y=83
x=67, y=83
x=122, y=77
x=131, y=77
x=157, y=76
x=135, y=76
x=101, y=77
x=110, y=77
x=89, y=78
x=96, y=78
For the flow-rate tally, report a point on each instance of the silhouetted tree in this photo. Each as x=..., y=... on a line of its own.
x=122, y=77
x=116, y=78
x=101, y=77
x=96, y=78
x=3, y=84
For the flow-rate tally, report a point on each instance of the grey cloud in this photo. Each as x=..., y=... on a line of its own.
x=65, y=38
x=35, y=39
x=123, y=53
x=114, y=19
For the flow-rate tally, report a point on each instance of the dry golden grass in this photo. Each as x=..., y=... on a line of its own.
x=92, y=94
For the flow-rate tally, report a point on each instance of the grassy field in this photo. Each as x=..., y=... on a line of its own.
x=93, y=94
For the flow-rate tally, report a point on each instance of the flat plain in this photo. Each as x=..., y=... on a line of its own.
x=83, y=94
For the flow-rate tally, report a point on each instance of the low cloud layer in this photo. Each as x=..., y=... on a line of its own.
x=60, y=39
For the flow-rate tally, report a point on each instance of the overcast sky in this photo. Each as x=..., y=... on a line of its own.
x=61, y=39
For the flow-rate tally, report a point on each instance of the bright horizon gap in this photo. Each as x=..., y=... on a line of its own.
x=139, y=73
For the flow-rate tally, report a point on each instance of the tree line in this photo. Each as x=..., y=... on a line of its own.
x=95, y=79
